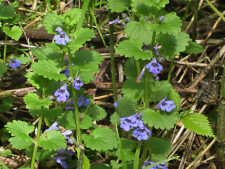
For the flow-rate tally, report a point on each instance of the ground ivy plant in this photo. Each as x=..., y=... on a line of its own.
x=149, y=100
x=149, y=103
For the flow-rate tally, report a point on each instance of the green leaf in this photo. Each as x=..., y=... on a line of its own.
x=141, y=8
x=3, y=69
x=21, y=143
x=67, y=120
x=86, y=122
x=86, y=64
x=130, y=69
x=115, y=119
x=81, y=36
x=7, y=12
x=52, y=21
x=126, y=107
x=119, y=5
x=5, y=152
x=175, y=97
x=157, y=3
x=158, y=119
x=96, y=112
x=19, y=128
x=170, y=25
x=100, y=139
x=14, y=33
x=198, y=123
x=52, y=140
x=72, y=16
x=41, y=83
x=193, y=48
x=48, y=69
x=6, y=104
x=129, y=147
x=86, y=163
x=34, y=104
x=51, y=115
x=50, y=51
x=138, y=31
x=159, y=148
x=115, y=165
x=24, y=59
x=101, y=166
x=159, y=90
x=172, y=45
x=133, y=90
x=132, y=48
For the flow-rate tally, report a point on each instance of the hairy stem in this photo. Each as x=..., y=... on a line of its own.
x=38, y=134
x=113, y=69
x=121, y=149
x=221, y=124
x=137, y=155
x=5, y=49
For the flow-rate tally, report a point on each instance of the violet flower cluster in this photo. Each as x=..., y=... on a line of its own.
x=15, y=63
x=77, y=83
x=61, y=38
x=81, y=101
x=147, y=163
x=128, y=123
x=166, y=105
x=62, y=94
x=61, y=157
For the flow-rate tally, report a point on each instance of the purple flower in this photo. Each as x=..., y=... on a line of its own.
x=15, y=63
x=115, y=21
x=53, y=126
x=126, y=123
x=77, y=83
x=154, y=66
x=141, y=75
x=61, y=157
x=147, y=163
x=61, y=38
x=65, y=72
x=166, y=105
x=66, y=134
x=161, y=18
x=142, y=133
x=82, y=101
x=115, y=104
x=137, y=120
x=62, y=94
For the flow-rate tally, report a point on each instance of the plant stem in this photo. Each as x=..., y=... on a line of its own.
x=146, y=90
x=186, y=12
x=37, y=138
x=194, y=33
x=5, y=49
x=98, y=29
x=112, y=58
x=171, y=69
x=121, y=149
x=221, y=124
x=137, y=155
x=216, y=10
x=84, y=9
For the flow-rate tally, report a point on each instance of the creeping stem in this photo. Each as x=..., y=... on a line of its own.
x=113, y=69
x=221, y=124
x=137, y=155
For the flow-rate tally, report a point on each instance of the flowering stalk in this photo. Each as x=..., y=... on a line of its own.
x=38, y=134
x=5, y=48
x=76, y=111
x=121, y=149
x=113, y=71
x=137, y=154
x=221, y=123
